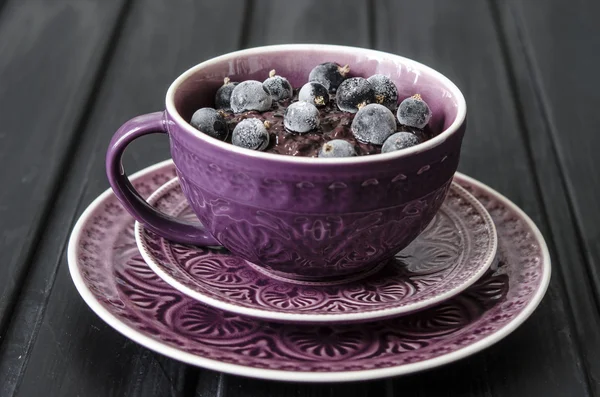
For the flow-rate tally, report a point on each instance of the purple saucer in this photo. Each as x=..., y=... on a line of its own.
x=452, y=253
x=113, y=279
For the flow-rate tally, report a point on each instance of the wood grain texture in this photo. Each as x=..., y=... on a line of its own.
x=463, y=43
x=51, y=52
x=247, y=387
x=555, y=73
x=342, y=22
x=68, y=349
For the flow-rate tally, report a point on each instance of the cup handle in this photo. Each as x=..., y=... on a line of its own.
x=161, y=224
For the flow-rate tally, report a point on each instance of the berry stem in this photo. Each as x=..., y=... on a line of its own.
x=417, y=96
x=272, y=73
x=267, y=124
x=226, y=80
x=344, y=70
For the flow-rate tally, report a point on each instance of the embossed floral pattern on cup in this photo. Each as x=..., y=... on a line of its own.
x=455, y=249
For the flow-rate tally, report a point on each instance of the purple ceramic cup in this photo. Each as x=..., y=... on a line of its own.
x=298, y=217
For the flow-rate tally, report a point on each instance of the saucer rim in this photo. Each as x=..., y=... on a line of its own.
x=328, y=318
x=342, y=376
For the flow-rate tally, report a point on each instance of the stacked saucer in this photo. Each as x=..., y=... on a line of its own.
x=476, y=272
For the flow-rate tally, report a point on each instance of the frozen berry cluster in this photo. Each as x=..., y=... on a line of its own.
x=331, y=116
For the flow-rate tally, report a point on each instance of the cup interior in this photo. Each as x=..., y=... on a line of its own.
x=196, y=87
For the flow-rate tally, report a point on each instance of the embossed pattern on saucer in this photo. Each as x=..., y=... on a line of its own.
x=116, y=283
x=452, y=253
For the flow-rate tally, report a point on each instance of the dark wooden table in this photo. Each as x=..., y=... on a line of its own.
x=71, y=71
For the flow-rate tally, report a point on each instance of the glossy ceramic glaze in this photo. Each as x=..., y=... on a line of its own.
x=300, y=217
x=116, y=283
x=453, y=252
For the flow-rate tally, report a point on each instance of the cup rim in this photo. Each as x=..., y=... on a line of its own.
x=381, y=157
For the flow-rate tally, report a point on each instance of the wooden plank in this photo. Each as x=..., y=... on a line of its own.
x=246, y=387
x=463, y=43
x=555, y=78
x=309, y=21
x=67, y=349
x=50, y=54
x=70, y=39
